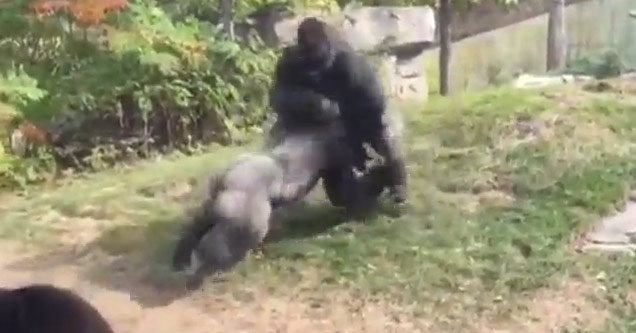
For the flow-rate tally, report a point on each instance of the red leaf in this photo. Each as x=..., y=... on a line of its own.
x=86, y=12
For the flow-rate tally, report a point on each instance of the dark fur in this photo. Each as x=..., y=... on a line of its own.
x=235, y=217
x=323, y=70
x=48, y=309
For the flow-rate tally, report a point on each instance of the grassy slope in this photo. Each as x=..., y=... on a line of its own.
x=502, y=181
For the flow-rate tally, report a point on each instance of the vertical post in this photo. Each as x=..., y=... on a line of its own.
x=445, y=19
x=557, y=39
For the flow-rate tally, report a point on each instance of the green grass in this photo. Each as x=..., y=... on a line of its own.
x=500, y=183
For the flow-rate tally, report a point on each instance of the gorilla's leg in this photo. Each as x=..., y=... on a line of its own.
x=344, y=189
x=217, y=251
x=387, y=146
x=333, y=182
x=192, y=233
x=356, y=193
x=204, y=218
x=229, y=240
x=374, y=181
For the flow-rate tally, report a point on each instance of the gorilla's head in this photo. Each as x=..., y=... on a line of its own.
x=314, y=44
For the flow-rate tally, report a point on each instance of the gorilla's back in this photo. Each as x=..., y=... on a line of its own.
x=302, y=156
x=250, y=171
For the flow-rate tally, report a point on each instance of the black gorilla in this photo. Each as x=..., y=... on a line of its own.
x=48, y=309
x=320, y=77
x=236, y=215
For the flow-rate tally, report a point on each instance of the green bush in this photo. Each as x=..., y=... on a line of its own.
x=607, y=64
x=17, y=89
x=139, y=82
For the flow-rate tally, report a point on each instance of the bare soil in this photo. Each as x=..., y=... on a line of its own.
x=131, y=305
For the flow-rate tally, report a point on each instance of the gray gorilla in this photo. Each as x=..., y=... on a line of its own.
x=320, y=75
x=235, y=216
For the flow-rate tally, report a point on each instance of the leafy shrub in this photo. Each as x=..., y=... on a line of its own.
x=135, y=82
x=17, y=89
x=206, y=10
x=601, y=66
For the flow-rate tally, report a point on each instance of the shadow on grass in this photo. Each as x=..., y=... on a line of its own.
x=309, y=219
x=136, y=258
x=133, y=259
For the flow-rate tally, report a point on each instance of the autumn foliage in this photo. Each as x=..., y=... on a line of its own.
x=86, y=89
x=85, y=12
x=34, y=134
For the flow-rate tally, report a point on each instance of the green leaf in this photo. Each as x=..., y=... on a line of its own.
x=18, y=87
x=166, y=62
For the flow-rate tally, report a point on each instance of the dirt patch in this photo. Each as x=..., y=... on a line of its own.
x=625, y=85
x=549, y=310
x=571, y=304
x=77, y=232
x=209, y=310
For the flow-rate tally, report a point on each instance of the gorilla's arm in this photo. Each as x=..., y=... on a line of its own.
x=365, y=98
x=296, y=104
x=365, y=104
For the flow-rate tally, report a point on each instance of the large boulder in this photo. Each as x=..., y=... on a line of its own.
x=397, y=35
x=366, y=28
x=370, y=28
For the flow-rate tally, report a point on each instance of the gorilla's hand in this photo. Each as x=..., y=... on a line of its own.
x=300, y=106
x=317, y=109
x=399, y=193
x=330, y=109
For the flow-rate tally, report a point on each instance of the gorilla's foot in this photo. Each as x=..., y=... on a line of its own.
x=399, y=194
x=194, y=282
x=196, y=273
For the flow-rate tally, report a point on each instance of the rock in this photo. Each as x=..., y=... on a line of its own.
x=615, y=233
x=398, y=35
x=367, y=28
x=612, y=248
x=536, y=81
x=629, y=76
x=404, y=78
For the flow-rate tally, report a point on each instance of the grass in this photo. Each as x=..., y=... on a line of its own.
x=501, y=182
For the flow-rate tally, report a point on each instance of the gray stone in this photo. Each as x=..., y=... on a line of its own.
x=528, y=81
x=616, y=232
x=629, y=76
x=411, y=81
x=366, y=28
x=408, y=68
x=397, y=34
x=629, y=249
